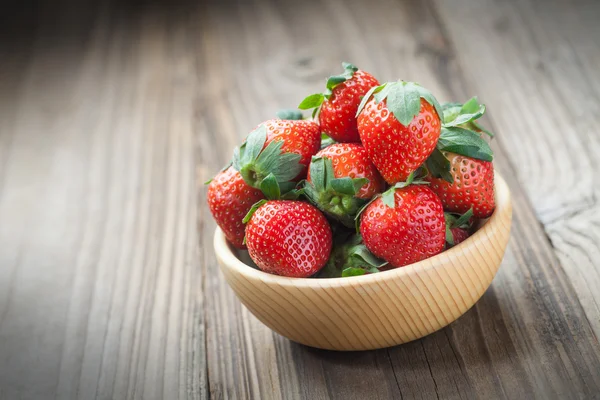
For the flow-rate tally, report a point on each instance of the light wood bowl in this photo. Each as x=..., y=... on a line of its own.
x=379, y=310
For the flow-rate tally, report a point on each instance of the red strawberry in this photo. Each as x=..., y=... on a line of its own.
x=229, y=199
x=338, y=105
x=458, y=227
x=259, y=169
x=399, y=126
x=289, y=238
x=301, y=137
x=472, y=186
x=281, y=148
x=404, y=225
x=459, y=235
x=350, y=160
x=341, y=179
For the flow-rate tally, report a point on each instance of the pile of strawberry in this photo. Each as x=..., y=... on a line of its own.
x=382, y=176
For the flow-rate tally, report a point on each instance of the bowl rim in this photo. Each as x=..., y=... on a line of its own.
x=224, y=252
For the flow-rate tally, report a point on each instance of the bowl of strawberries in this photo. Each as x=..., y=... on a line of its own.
x=375, y=222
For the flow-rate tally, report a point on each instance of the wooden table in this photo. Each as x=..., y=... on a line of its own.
x=112, y=114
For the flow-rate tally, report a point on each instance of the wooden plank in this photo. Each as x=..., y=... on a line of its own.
x=528, y=336
x=538, y=74
x=100, y=285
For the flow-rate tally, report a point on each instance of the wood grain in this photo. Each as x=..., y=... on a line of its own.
x=113, y=113
x=100, y=286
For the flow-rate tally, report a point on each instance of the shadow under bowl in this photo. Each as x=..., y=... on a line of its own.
x=377, y=310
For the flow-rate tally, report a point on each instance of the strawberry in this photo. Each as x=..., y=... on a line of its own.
x=341, y=179
x=472, y=186
x=461, y=172
x=399, y=125
x=459, y=235
x=260, y=168
x=301, y=137
x=289, y=238
x=405, y=225
x=458, y=227
x=229, y=199
x=337, y=106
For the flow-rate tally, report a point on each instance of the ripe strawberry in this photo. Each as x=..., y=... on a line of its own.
x=404, y=225
x=399, y=125
x=337, y=106
x=472, y=186
x=259, y=169
x=289, y=238
x=229, y=199
x=341, y=179
x=459, y=235
x=301, y=137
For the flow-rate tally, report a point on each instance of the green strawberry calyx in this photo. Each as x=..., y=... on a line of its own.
x=403, y=99
x=389, y=196
x=293, y=194
x=460, y=134
x=465, y=115
x=314, y=101
x=255, y=164
x=453, y=220
x=415, y=178
x=336, y=197
x=351, y=258
x=289, y=114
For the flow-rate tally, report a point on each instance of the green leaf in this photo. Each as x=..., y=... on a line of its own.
x=315, y=112
x=469, y=112
x=367, y=96
x=450, y=111
x=329, y=174
x=289, y=114
x=379, y=95
x=439, y=166
x=335, y=80
x=286, y=187
x=430, y=98
x=235, y=161
x=317, y=173
x=312, y=101
x=293, y=194
x=287, y=167
x=365, y=257
x=389, y=197
x=270, y=187
x=254, y=144
x=463, y=219
x=208, y=181
x=464, y=142
x=353, y=271
x=348, y=66
x=404, y=101
x=252, y=210
x=449, y=236
x=471, y=106
x=348, y=185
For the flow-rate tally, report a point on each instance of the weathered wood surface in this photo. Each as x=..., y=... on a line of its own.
x=112, y=114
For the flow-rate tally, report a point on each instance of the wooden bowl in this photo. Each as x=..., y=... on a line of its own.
x=379, y=310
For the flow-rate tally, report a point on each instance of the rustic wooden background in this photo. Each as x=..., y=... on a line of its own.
x=113, y=113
